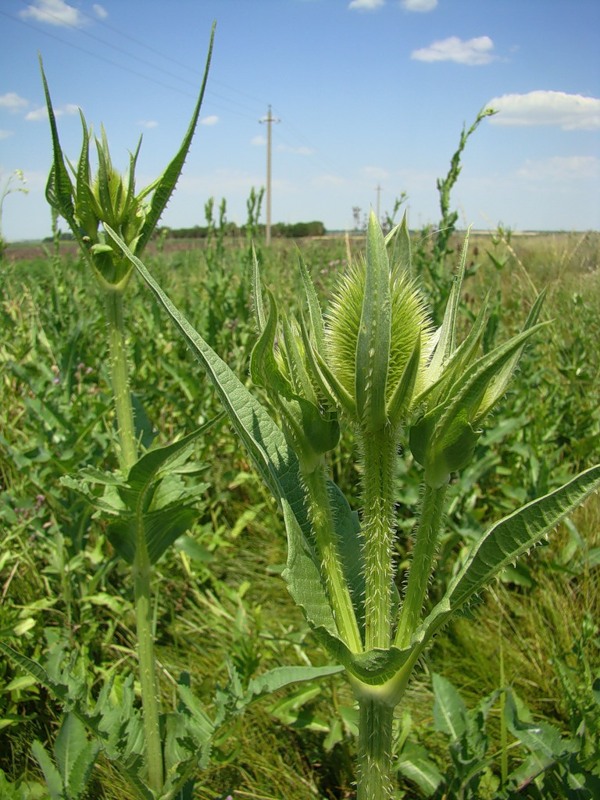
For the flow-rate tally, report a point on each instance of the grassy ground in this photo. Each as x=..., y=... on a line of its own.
x=224, y=602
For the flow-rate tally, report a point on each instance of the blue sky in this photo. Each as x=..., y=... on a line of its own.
x=369, y=93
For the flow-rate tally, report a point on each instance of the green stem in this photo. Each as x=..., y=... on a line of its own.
x=432, y=509
x=120, y=380
x=374, y=750
x=142, y=572
x=379, y=456
x=142, y=575
x=325, y=536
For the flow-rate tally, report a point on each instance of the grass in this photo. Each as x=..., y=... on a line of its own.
x=227, y=599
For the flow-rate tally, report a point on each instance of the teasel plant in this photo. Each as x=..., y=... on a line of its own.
x=147, y=504
x=374, y=362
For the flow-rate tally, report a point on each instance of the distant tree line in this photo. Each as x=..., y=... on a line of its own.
x=296, y=230
x=282, y=230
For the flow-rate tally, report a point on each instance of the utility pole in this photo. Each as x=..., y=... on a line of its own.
x=268, y=120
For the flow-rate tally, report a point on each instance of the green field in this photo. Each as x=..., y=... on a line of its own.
x=221, y=606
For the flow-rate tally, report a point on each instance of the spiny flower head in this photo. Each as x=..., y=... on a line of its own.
x=377, y=334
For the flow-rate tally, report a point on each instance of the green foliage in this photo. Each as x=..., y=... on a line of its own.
x=547, y=763
x=288, y=463
x=8, y=187
x=74, y=757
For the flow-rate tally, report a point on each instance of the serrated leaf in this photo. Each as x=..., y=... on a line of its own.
x=70, y=742
x=504, y=542
x=53, y=779
x=59, y=189
x=163, y=187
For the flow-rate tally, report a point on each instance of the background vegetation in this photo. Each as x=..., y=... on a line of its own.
x=221, y=601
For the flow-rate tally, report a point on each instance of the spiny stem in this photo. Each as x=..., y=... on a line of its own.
x=142, y=573
x=379, y=455
x=432, y=509
x=120, y=380
x=319, y=508
x=374, y=750
x=147, y=663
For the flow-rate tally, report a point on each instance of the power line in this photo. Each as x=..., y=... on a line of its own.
x=140, y=59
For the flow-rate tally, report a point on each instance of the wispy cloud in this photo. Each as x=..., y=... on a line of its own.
x=54, y=12
x=42, y=112
x=561, y=168
x=211, y=119
x=12, y=102
x=100, y=11
x=366, y=5
x=6, y=134
x=375, y=173
x=299, y=151
x=258, y=141
x=419, y=5
x=472, y=52
x=148, y=123
x=559, y=109
x=328, y=180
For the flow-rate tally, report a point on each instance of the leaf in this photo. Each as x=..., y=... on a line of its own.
x=164, y=186
x=416, y=765
x=280, y=677
x=73, y=755
x=157, y=504
x=373, y=344
x=315, y=314
x=59, y=189
x=273, y=458
x=51, y=774
x=504, y=542
x=449, y=710
x=539, y=737
x=447, y=332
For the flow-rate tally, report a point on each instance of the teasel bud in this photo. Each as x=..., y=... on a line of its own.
x=460, y=387
x=280, y=365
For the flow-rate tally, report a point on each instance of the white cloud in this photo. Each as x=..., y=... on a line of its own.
x=472, y=52
x=258, y=141
x=12, y=102
x=5, y=134
x=567, y=111
x=561, y=168
x=419, y=5
x=100, y=11
x=54, y=12
x=148, y=123
x=212, y=119
x=42, y=112
x=366, y=5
